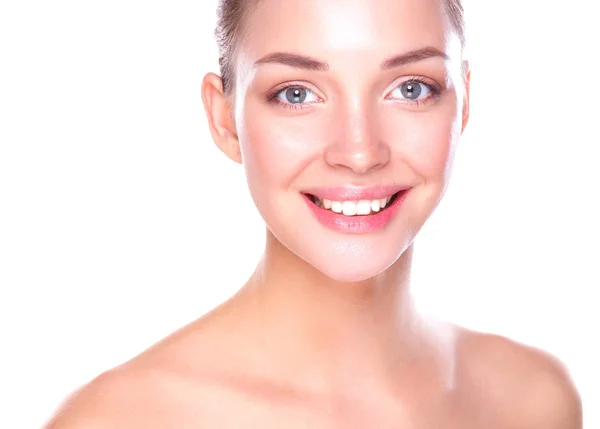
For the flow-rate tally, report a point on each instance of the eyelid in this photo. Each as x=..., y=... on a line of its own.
x=293, y=84
x=434, y=88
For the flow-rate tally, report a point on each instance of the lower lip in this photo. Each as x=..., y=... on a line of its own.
x=358, y=224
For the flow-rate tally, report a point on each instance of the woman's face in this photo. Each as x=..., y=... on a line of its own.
x=351, y=118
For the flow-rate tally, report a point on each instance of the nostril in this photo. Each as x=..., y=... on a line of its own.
x=360, y=157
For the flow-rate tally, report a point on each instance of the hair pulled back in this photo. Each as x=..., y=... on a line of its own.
x=231, y=16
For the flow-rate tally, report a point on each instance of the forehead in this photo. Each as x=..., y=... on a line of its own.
x=332, y=29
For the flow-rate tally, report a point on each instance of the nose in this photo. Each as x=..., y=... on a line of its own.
x=357, y=142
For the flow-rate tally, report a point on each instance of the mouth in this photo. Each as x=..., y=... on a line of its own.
x=355, y=208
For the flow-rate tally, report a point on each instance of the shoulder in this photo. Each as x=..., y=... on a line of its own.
x=111, y=400
x=170, y=381
x=523, y=385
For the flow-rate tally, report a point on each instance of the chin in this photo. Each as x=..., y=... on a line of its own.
x=350, y=274
x=347, y=258
x=355, y=260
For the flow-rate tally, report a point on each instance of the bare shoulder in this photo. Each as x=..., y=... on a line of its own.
x=523, y=386
x=114, y=399
x=165, y=386
x=95, y=404
x=146, y=393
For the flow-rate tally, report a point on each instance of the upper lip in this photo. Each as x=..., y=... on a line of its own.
x=355, y=193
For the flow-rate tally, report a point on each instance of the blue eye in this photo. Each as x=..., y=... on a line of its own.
x=296, y=95
x=411, y=90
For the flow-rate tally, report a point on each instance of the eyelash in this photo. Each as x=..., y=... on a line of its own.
x=272, y=97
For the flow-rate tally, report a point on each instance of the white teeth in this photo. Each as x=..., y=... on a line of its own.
x=363, y=207
x=336, y=207
x=353, y=208
x=349, y=208
x=375, y=205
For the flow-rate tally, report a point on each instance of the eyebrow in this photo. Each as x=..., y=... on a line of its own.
x=308, y=63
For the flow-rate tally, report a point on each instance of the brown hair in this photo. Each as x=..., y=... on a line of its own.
x=231, y=17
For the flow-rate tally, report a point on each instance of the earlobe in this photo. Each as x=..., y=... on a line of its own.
x=466, y=98
x=219, y=115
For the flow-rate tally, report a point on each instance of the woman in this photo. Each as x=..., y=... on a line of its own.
x=346, y=116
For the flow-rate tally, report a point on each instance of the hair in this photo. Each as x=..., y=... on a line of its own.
x=231, y=16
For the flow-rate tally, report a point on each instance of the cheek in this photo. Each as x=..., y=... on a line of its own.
x=427, y=141
x=277, y=148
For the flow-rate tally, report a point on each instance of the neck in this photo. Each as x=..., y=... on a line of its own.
x=329, y=334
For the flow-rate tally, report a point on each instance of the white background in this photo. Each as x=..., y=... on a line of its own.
x=120, y=221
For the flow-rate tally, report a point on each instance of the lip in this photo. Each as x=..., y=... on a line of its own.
x=355, y=193
x=359, y=224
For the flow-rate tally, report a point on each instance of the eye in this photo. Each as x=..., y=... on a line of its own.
x=296, y=95
x=413, y=91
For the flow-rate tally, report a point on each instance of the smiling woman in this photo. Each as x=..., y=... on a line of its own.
x=347, y=140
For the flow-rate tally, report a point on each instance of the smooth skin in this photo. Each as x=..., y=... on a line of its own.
x=325, y=333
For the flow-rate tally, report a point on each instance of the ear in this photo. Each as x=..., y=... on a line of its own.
x=220, y=117
x=466, y=98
